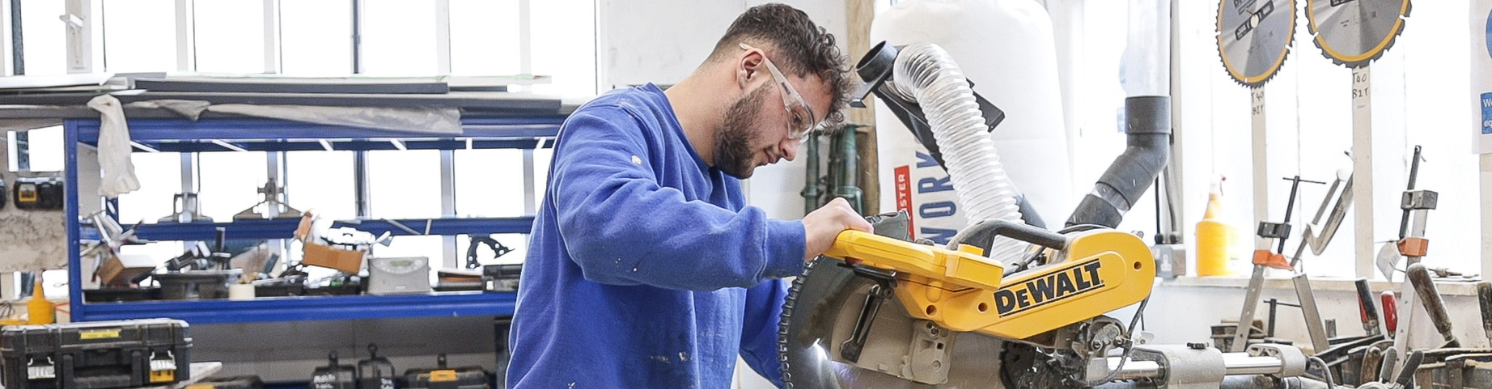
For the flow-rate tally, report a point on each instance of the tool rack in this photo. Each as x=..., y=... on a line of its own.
x=487, y=129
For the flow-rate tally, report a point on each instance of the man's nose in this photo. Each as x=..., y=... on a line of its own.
x=789, y=148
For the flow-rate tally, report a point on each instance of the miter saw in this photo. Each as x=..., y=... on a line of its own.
x=882, y=311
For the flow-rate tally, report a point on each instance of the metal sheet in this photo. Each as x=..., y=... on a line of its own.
x=290, y=86
x=512, y=102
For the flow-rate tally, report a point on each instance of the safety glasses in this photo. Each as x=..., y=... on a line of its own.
x=800, y=116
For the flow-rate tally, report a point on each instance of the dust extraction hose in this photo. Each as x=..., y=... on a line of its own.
x=925, y=73
x=1147, y=121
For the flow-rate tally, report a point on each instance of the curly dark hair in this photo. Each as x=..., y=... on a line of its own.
x=802, y=48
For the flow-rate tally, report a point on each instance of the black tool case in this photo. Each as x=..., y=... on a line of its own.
x=95, y=355
x=334, y=375
x=234, y=382
x=442, y=377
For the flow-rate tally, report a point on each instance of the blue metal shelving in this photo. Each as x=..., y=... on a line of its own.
x=306, y=308
x=176, y=135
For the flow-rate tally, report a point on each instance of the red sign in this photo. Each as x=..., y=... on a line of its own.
x=904, y=194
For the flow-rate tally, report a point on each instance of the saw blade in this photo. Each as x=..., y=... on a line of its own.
x=1253, y=38
x=1356, y=32
x=820, y=313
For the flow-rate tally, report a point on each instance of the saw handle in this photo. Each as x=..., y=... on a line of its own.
x=1390, y=312
x=983, y=232
x=1365, y=306
x=1484, y=297
x=1423, y=287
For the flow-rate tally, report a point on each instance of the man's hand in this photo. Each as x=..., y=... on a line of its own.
x=823, y=225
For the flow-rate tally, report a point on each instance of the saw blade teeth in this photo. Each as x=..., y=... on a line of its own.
x=1254, y=18
x=786, y=319
x=1320, y=35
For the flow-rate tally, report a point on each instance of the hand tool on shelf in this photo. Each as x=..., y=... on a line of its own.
x=498, y=249
x=274, y=208
x=1412, y=246
x=1365, y=306
x=1271, y=233
x=1427, y=293
x=1484, y=301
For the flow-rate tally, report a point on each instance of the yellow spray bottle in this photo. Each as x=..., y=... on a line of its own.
x=39, y=310
x=1212, y=236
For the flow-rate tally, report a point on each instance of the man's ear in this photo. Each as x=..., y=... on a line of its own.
x=747, y=67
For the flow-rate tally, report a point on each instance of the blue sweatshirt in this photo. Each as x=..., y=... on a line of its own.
x=645, y=267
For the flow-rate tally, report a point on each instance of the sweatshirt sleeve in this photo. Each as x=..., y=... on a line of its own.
x=760, y=326
x=623, y=228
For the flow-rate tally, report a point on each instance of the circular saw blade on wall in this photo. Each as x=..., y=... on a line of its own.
x=1356, y=32
x=1253, y=38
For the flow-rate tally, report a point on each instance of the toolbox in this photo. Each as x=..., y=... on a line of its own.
x=96, y=355
x=235, y=382
x=333, y=375
x=441, y=377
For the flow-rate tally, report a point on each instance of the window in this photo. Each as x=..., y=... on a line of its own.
x=139, y=36
x=1418, y=85
x=229, y=36
x=315, y=39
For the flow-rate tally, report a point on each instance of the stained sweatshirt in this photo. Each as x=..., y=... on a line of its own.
x=646, y=269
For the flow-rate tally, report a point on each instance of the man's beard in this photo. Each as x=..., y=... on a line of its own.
x=734, y=137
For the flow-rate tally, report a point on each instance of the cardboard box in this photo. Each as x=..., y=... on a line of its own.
x=349, y=261
x=118, y=270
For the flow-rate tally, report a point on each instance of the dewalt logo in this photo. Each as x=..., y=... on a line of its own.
x=1057, y=286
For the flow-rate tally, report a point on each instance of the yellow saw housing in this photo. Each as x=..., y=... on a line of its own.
x=1099, y=271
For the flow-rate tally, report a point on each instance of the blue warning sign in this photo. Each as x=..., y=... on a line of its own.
x=1487, y=113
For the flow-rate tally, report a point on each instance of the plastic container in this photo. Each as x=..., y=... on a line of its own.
x=1212, y=238
x=96, y=355
x=39, y=310
x=441, y=377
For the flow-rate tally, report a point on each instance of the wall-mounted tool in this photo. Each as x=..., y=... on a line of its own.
x=274, y=208
x=498, y=249
x=1270, y=233
x=186, y=208
x=1319, y=235
x=37, y=193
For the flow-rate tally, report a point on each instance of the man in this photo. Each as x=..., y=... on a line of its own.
x=645, y=268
